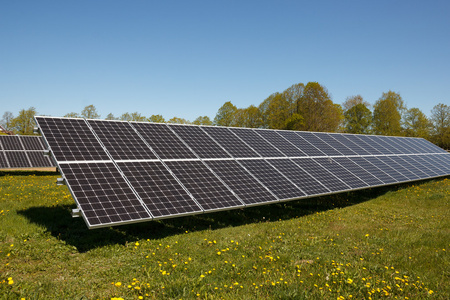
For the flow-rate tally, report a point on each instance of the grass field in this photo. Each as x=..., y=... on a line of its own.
x=390, y=242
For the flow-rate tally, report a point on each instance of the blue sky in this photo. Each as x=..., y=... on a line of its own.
x=187, y=58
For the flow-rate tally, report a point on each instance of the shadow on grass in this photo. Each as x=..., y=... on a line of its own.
x=28, y=172
x=60, y=224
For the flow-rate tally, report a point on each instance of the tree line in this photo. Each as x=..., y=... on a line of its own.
x=300, y=107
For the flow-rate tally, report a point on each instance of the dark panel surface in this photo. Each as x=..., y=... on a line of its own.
x=256, y=142
x=32, y=142
x=335, y=144
x=342, y=173
x=366, y=143
x=351, y=143
x=397, y=164
x=358, y=171
x=158, y=189
x=301, y=143
x=10, y=142
x=386, y=168
x=230, y=142
x=121, y=141
x=373, y=169
x=3, y=162
x=38, y=160
x=17, y=159
x=280, y=143
x=314, y=139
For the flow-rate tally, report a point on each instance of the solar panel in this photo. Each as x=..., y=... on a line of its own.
x=275, y=181
x=121, y=141
x=199, y=141
x=280, y=143
x=257, y=143
x=11, y=142
x=17, y=159
x=250, y=190
x=163, y=141
x=206, y=188
x=71, y=139
x=159, y=190
x=38, y=160
x=230, y=142
x=3, y=162
x=32, y=142
x=126, y=172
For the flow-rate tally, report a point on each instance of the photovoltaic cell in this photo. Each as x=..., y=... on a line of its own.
x=373, y=169
x=366, y=143
x=257, y=143
x=415, y=146
x=358, y=171
x=432, y=147
x=163, y=141
x=324, y=176
x=32, y=142
x=280, y=143
x=349, y=143
x=413, y=166
x=103, y=195
x=301, y=143
x=10, y=142
x=397, y=164
x=443, y=161
x=342, y=173
x=17, y=159
x=206, y=188
x=387, y=143
x=3, y=162
x=71, y=139
x=382, y=146
x=335, y=144
x=430, y=164
x=241, y=182
x=38, y=160
x=121, y=141
x=300, y=177
x=199, y=141
x=314, y=139
x=230, y=142
x=398, y=142
x=158, y=189
x=375, y=160
x=272, y=179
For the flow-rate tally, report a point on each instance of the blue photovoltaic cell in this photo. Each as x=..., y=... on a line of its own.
x=400, y=144
x=257, y=143
x=334, y=143
x=432, y=147
x=280, y=143
x=373, y=169
x=368, y=145
x=413, y=166
x=341, y=172
x=359, y=171
x=397, y=164
x=430, y=164
x=230, y=142
x=350, y=143
x=383, y=147
x=389, y=143
x=272, y=179
x=121, y=141
x=199, y=141
x=163, y=141
x=301, y=143
x=443, y=160
x=375, y=160
x=313, y=139
x=298, y=176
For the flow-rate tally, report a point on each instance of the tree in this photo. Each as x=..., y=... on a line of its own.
x=440, y=118
x=72, y=115
x=294, y=122
x=387, y=114
x=176, y=120
x=278, y=111
x=138, y=117
x=318, y=110
x=6, y=120
x=416, y=123
x=125, y=117
x=90, y=112
x=225, y=114
x=24, y=122
x=293, y=95
x=110, y=116
x=156, y=119
x=202, y=120
x=249, y=117
x=358, y=119
x=353, y=101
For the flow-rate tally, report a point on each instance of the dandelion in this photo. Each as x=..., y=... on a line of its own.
x=118, y=284
x=10, y=280
x=349, y=281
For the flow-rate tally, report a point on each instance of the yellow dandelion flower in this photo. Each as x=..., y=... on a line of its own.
x=349, y=281
x=118, y=284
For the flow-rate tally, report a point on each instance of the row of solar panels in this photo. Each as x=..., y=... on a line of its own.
x=23, y=152
x=124, y=172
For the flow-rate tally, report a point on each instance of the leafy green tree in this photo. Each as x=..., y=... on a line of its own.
x=90, y=112
x=156, y=119
x=176, y=120
x=294, y=122
x=126, y=117
x=293, y=94
x=138, y=117
x=225, y=114
x=279, y=110
x=358, y=119
x=440, y=118
x=110, y=116
x=6, y=120
x=24, y=122
x=72, y=115
x=387, y=114
x=202, y=120
x=249, y=117
x=353, y=101
x=416, y=123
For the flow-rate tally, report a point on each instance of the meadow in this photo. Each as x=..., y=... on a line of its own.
x=383, y=243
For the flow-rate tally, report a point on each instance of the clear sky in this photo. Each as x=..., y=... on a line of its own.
x=187, y=58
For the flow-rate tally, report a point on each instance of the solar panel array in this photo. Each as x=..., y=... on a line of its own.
x=20, y=151
x=124, y=172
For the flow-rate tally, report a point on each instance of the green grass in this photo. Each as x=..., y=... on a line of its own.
x=390, y=242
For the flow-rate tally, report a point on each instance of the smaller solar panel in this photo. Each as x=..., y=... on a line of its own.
x=17, y=159
x=38, y=160
x=301, y=143
x=366, y=143
x=399, y=143
x=3, y=161
x=314, y=139
x=241, y=182
x=206, y=188
x=443, y=161
x=399, y=165
x=380, y=144
x=336, y=144
x=342, y=173
x=199, y=141
x=230, y=142
x=102, y=194
x=32, y=142
x=373, y=169
x=414, y=166
x=358, y=171
x=121, y=141
x=163, y=141
x=10, y=142
x=388, y=143
x=257, y=143
x=375, y=160
x=430, y=164
x=272, y=179
x=280, y=143
x=350, y=142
